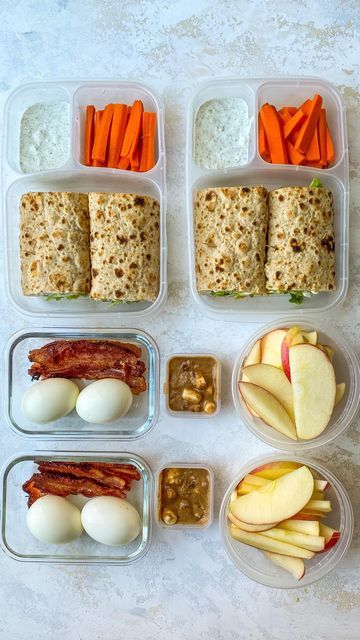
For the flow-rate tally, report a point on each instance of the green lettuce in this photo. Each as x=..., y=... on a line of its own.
x=64, y=296
x=316, y=184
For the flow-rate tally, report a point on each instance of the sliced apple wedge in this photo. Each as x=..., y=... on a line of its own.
x=271, y=347
x=268, y=408
x=303, y=540
x=274, y=472
x=331, y=535
x=310, y=336
x=244, y=488
x=294, y=566
x=321, y=485
x=310, y=527
x=273, y=380
x=329, y=351
x=254, y=356
x=260, y=541
x=276, y=501
x=245, y=526
x=314, y=388
x=339, y=394
x=293, y=336
x=323, y=506
x=306, y=516
x=255, y=481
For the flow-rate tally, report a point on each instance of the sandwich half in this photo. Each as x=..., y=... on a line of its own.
x=230, y=239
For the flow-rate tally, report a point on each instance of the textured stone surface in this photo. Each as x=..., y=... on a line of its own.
x=186, y=588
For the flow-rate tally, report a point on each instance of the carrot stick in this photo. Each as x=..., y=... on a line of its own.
x=285, y=116
x=330, y=150
x=313, y=152
x=274, y=134
x=97, y=120
x=294, y=123
x=118, y=127
x=133, y=130
x=262, y=141
x=305, y=106
x=147, y=156
x=291, y=110
x=307, y=130
x=322, y=137
x=124, y=163
x=89, y=133
x=102, y=135
x=295, y=156
x=135, y=159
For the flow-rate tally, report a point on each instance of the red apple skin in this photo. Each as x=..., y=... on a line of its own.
x=333, y=540
x=304, y=516
x=285, y=360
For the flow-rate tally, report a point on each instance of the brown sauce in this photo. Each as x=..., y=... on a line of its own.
x=184, y=496
x=192, y=384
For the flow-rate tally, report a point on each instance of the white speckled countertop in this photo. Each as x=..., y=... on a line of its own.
x=186, y=588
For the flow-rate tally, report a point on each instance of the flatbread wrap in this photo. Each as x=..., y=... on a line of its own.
x=301, y=240
x=230, y=239
x=124, y=247
x=54, y=244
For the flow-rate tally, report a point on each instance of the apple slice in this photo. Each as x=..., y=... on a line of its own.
x=303, y=540
x=244, y=488
x=330, y=352
x=260, y=541
x=340, y=390
x=323, y=506
x=331, y=535
x=255, y=481
x=254, y=355
x=310, y=337
x=310, y=527
x=250, y=483
x=314, y=388
x=321, y=485
x=277, y=501
x=245, y=526
x=273, y=380
x=294, y=566
x=275, y=471
x=306, y=516
x=269, y=409
x=292, y=337
x=271, y=347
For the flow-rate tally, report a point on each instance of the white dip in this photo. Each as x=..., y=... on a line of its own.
x=222, y=133
x=44, y=136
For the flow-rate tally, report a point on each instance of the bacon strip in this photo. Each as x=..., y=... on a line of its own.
x=85, y=471
x=60, y=485
x=89, y=360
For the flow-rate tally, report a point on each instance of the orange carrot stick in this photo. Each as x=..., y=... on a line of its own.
x=322, y=137
x=89, y=133
x=135, y=160
x=330, y=150
x=262, y=141
x=147, y=156
x=294, y=123
x=133, y=130
x=117, y=133
x=274, y=134
x=291, y=110
x=285, y=116
x=124, y=163
x=102, y=135
x=313, y=152
x=305, y=106
x=295, y=156
x=307, y=130
x=97, y=120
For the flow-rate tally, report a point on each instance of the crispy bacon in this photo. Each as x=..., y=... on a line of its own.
x=34, y=493
x=61, y=485
x=89, y=360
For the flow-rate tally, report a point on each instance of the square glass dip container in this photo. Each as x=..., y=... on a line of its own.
x=143, y=412
x=17, y=541
x=217, y=386
x=158, y=507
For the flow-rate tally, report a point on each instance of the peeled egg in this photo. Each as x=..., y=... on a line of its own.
x=54, y=519
x=104, y=401
x=49, y=400
x=112, y=521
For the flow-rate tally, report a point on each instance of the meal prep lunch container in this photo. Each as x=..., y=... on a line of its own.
x=76, y=177
x=277, y=91
x=193, y=414
x=184, y=465
x=347, y=370
x=19, y=544
x=136, y=423
x=256, y=566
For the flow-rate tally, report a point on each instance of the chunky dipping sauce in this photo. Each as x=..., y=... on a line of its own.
x=222, y=133
x=44, y=136
x=192, y=384
x=184, y=496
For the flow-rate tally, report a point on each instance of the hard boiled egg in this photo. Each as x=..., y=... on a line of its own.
x=104, y=401
x=54, y=519
x=110, y=520
x=49, y=400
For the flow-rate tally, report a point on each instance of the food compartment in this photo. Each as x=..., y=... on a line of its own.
x=293, y=92
x=193, y=385
x=19, y=101
x=346, y=368
x=18, y=542
x=136, y=423
x=253, y=563
x=185, y=496
x=218, y=91
x=86, y=181
x=228, y=308
x=101, y=94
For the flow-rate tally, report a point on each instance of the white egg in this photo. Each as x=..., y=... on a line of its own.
x=104, y=401
x=110, y=520
x=55, y=520
x=49, y=400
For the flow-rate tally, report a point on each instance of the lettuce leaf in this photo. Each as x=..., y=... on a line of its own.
x=296, y=297
x=64, y=296
x=316, y=184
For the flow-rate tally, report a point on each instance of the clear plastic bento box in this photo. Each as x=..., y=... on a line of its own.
x=255, y=172
x=74, y=176
x=19, y=544
x=136, y=423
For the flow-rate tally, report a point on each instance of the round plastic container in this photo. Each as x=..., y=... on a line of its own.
x=253, y=563
x=347, y=370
